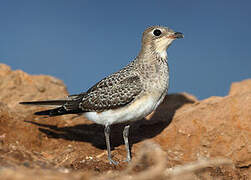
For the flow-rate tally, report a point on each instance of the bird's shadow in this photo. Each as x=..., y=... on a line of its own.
x=140, y=130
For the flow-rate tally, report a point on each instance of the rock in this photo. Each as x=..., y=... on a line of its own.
x=240, y=87
x=210, y=128
x=184, y=128
x=16, y=86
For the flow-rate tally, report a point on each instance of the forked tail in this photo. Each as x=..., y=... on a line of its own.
x=65, y=107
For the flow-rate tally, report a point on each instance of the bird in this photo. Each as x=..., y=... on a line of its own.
x=127, y=95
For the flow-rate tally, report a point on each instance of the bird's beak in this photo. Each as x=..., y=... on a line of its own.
x=176, y=35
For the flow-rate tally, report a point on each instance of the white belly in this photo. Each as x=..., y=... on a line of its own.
x=135, y=111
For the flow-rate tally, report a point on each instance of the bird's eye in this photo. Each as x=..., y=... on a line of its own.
x=157, y=32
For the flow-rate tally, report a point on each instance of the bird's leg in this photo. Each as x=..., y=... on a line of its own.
x=107, y=140
x=125, y=136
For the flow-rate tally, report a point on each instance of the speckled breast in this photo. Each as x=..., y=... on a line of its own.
x=155, y=77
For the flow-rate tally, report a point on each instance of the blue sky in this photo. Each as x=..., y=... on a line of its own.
x=80, y=41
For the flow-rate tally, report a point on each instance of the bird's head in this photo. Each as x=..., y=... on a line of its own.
x=157, y=39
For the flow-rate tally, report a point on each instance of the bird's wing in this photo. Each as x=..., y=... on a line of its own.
x=111, y=93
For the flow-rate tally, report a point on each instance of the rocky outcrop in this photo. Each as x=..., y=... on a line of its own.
x=217, y=126
x=16, y=86
x=182, y=129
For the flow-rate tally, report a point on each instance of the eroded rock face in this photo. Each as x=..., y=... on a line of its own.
x=16, y=86
x=217, y=126
x=185, y=128
x=240, y=87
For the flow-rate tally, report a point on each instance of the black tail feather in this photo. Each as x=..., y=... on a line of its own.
x=65, y=107
x=57, y=112
x=45, y=103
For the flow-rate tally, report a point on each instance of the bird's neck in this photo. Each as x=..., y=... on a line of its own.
x=152, y=54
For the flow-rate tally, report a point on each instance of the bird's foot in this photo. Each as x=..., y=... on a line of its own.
x=111, y=161
x=128, y=159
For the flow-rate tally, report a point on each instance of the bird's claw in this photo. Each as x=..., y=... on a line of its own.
x=127, y=160
x=111, y=161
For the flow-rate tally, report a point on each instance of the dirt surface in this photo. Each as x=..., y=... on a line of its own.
x=183, y=139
